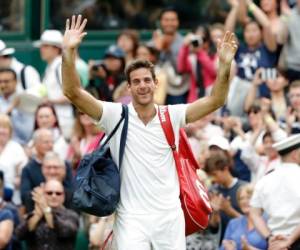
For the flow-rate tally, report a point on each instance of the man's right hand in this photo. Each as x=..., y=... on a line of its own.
x=74, y=32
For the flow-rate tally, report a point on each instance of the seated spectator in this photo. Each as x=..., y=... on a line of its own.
x=240, y=232
x=6, y=229
x=22, y=121
x=84, y=139
x=223, y=199
x=16, y=244
x=45, y=117
x=50, y=225
x=32, y=174
x=12, y=158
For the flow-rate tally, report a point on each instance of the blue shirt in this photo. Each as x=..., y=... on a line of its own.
x=237, y=228
x=6, y=214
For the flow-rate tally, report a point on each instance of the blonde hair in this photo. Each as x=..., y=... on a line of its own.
x=248, y=188
x=5, y=122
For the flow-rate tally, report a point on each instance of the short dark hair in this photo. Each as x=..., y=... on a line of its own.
x=9, y=70
x=217, y=160
x=168, y=9
x=138, y=64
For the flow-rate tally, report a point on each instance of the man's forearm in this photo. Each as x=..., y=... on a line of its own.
x=221, y=86
x=70, y=78
x=260, y=224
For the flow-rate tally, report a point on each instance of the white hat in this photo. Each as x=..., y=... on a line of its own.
x=50, y=37
x=219, y=141
x=288, y=144
x=5, y=51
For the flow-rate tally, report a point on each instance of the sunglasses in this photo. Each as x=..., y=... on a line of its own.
x=50, y=193
x=254, y=110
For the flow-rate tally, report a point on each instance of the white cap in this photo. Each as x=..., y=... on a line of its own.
x=5, y=51
x=50, y=37
x=219, y=141
x=288, y=144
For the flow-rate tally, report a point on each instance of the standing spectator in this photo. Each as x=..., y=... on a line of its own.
x=280, y=202
x=50, y=45
x=107, y=74
x=128, y=41
x=168, y=41
x=22, y=121
x=50, y=226
x=290, y=56
x=197, y=57
x=240, y=232
x=12, y=158
x=27, y=76
x=224, y=199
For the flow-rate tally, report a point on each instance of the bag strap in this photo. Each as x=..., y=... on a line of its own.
x=165, y=121
x=124, y=115
x=22, y=76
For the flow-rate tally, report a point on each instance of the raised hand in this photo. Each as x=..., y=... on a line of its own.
x=227, y=48
x=74, y=32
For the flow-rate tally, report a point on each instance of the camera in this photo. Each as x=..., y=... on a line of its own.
x=268, y=74
x=196, y=41
x=99, y=64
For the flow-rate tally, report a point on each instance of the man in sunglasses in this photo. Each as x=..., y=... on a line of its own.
x=50, y=216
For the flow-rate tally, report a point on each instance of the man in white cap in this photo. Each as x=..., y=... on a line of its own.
x=277, y=194
x=50, y=45
x=27, y=76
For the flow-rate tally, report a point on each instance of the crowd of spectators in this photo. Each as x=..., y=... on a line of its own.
x=43, y=137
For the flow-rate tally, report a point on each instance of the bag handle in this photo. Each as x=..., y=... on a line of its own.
x=165, y=121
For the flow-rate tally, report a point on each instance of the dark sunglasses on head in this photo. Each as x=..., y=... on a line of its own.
x=56, y=193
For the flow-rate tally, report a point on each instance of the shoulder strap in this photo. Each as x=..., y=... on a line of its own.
x=22, y=76
x=165, y=121
x=124, y=115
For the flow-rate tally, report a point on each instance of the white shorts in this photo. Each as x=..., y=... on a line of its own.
x=163, y=231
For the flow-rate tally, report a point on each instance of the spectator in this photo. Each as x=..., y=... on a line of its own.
x=276, y=85
x=12, y=158
x=32, y=175
x=45, y=117
x=259, y=49
x=16, y=244
x=107, y=74
x=6, y=229
x=22, y=121
x=280, y=202
x=50, y=225
x=168, y=41
x=290, y=55
x=240, y=232
x=50, y=49
x=128, y=41
x=197, y=57
x=223, y=199
x=27, y=76
x=85, y=138
x=293, y=112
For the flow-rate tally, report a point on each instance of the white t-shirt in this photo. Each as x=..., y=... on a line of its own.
x=149, y=182
x=278, y=195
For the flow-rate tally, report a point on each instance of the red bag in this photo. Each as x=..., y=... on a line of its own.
x=193, y=194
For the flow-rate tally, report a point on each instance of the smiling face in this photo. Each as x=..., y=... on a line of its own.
x=142, y=86
x=45, y=118
x=54, y=193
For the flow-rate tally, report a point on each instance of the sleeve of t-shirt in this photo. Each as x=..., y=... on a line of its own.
x=256, y=199
x=110, y=116
x=5, y=214
x=178, y=115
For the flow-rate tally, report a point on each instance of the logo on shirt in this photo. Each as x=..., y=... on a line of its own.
x=163, y=110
